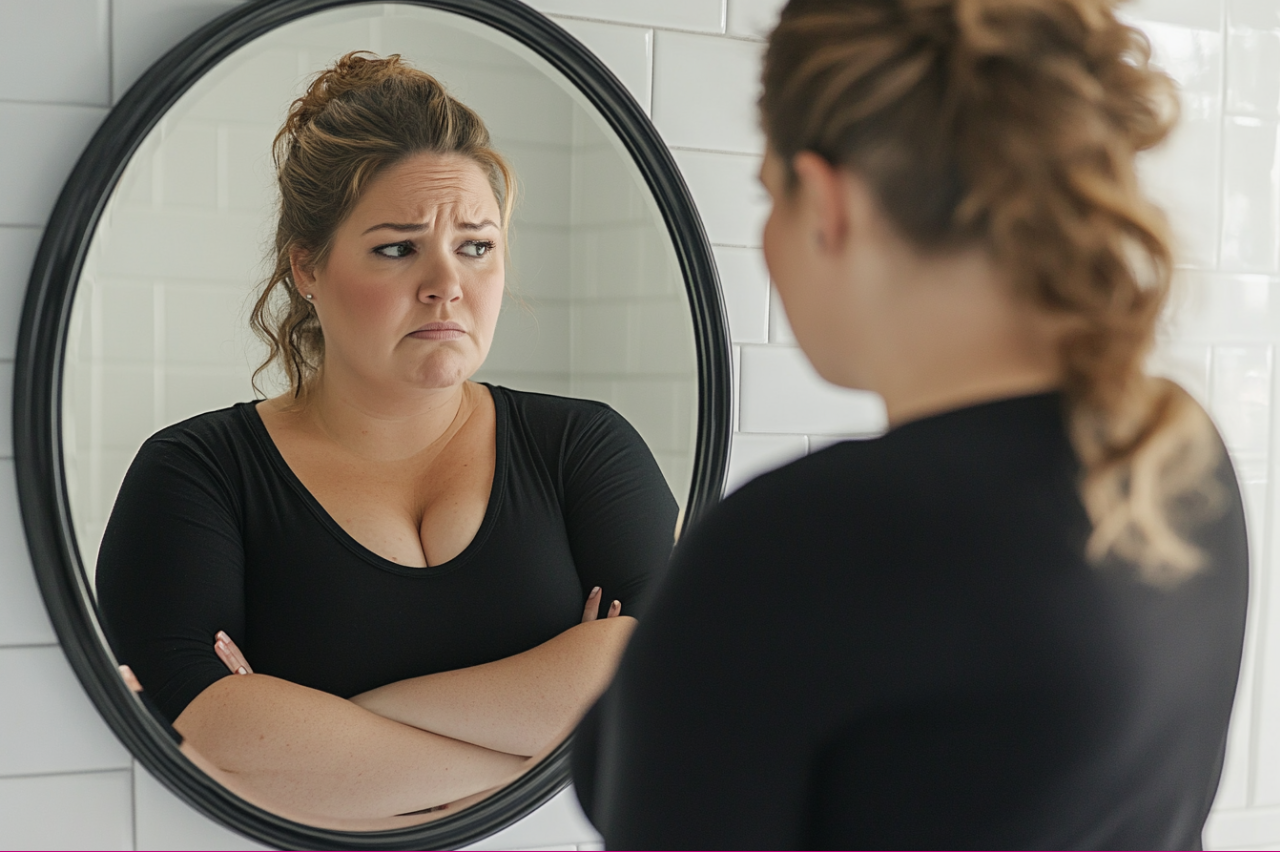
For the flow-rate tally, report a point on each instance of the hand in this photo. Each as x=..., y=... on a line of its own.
x=130, y=679
x=230, y=654
x=592, y=608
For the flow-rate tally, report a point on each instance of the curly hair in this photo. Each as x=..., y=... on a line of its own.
x=1014, y=125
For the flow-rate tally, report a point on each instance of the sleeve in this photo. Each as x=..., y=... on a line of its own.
x=686, y=749
x=171, y=573
x=619, y=512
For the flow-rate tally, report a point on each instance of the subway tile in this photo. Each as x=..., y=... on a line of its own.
x=186, y=245
x=559, y=821
x=627, y=51
x=1253, y=73
x=532, y=337
x=127, y=327
x=753, y=18
x=1240, y=396
x=660, y=337
x=728, y=195
x=205, y=325
x=1265, y=605
x=779, y=325
x=1183, y=176
x=663, y=411
x=128, y=405
x=58, y=53
x=1193, y=58
x=1251, y=196
x=22, y=615
x=144, y=30
x=700, y=15
x=189, y=391
x=544, y=172
x=599, y=338
x=1200, y=14
x=163, y=821
x=751, y=455
x=54, y=728
x=1256, y=828
x=1217, y=307
x=1185, y=363
x=541, y=264
x=17, y=255
x=41, y=144
x=781, y=392
x=744, y=284
x=1258, y=14
x=1233, y=788
x=518, y=105
x=704, y=92
x=91, y=810
x=189, y=165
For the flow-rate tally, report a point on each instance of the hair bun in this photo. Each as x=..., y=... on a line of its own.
x=359, y=69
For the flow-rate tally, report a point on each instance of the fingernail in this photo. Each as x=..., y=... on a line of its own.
x=222, y=646
x=595, y=591
x=241, y=670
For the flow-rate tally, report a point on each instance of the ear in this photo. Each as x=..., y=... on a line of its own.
x=820, y=194
x=304, y=273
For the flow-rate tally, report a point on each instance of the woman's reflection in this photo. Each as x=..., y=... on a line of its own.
x=406, y=565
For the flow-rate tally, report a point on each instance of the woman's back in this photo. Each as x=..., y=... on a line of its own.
x=901, y=643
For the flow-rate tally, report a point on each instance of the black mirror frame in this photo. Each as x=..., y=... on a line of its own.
x=37, y=399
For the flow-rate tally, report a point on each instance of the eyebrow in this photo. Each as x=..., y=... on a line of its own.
x=411, y=227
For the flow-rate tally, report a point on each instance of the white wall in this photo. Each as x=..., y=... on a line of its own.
x=63, y=779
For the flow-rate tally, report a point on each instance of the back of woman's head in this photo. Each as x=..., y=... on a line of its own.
x=357, y=117
x=1013, y=125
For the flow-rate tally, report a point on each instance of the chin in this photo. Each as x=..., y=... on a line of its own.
x=443, y=372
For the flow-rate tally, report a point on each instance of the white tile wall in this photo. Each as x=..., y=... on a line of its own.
x=1218, y=179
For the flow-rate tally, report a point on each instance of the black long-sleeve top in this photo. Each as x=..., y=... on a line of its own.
x=212, y=531
x=899, y=643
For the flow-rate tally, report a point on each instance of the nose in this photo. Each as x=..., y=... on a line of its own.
x=440, y=281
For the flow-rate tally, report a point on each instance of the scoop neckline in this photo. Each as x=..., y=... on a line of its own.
x=497, y=492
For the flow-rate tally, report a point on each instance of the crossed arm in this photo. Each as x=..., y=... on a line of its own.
x=442, y=739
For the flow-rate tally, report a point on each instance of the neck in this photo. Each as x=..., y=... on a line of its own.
x=385, y=426
x=948, y=333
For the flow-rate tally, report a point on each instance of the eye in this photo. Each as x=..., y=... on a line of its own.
x=394, y=250
x=476, y=248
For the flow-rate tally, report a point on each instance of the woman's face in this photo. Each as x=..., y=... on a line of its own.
x=410, y=291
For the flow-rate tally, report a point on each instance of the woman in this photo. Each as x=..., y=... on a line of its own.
x=1016, y=619
x=405, y=555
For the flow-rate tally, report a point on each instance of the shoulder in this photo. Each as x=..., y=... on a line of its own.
x=215, y=441
x=544, y=407
x=563, y=420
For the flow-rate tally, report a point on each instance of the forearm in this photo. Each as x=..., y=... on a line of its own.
x=299, y=750
x=518, y=705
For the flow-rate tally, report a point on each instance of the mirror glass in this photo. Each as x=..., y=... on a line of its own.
x=596, y=306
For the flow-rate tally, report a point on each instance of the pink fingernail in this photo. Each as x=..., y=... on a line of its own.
x=595, y=591
x=241, y=670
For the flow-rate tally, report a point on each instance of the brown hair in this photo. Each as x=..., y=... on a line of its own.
x=356, y=119
x=1013, y=125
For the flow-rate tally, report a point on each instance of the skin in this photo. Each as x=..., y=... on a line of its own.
x=927, y=332
x=399, y=447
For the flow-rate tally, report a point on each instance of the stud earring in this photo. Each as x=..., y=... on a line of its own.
x=310, y=298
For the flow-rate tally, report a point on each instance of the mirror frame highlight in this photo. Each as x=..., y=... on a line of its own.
x=37, y=399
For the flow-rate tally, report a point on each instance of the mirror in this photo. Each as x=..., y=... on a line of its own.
x=137, y=315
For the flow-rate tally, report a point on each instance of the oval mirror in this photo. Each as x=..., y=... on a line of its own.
x=137, y=313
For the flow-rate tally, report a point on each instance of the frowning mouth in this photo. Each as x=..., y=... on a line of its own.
x=439, y=331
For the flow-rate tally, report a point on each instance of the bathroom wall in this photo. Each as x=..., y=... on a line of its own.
x=65, y=782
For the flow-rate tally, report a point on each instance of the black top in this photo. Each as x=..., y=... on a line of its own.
x=212, y=531
x=899, y=643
